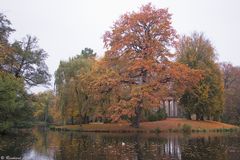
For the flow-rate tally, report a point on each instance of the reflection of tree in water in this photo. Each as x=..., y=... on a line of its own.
x=100, y=146
x=156, y=148
x=70, y=145
x=138, y=148
x=108, y=146
x=171, y=148
x=74, y=146
x=211, y=148
x=14, y=145
x=233, y=146
x=45, y=145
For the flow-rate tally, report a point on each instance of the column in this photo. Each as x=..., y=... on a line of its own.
x=164, y=105
x=174, y=108
x=169, y=110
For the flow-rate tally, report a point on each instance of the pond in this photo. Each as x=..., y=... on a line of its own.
x=42, y=144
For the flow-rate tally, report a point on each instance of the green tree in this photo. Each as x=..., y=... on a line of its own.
x=5, y=31
x=42, y=103
x=72, y=96
x=5, y=28
x=15, y=105
x=21, y=63
x=27, y=61
x=206, y=98
x=88, y=53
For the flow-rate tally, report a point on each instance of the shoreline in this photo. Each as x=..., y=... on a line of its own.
x=171, y=125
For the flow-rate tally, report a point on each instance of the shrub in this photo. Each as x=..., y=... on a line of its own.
x=159, y=115
x=231, y=129
x=157, y=130
x=152, y=117
x=226, y=129
x=23, y=124
x=5, y=127
x=186, y=128
x=107, y=120
x=175, y=130
x=220, y=129
x=52, y=127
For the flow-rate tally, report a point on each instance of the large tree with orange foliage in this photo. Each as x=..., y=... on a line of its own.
x=138, y=49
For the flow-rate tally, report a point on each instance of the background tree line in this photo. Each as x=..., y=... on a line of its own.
x=138, y=70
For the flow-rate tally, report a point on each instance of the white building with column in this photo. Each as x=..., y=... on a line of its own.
x=171, y=106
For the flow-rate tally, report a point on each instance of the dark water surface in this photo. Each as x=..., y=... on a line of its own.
x=49, y=145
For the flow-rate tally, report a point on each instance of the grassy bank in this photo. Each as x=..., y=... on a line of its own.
x=168, y=125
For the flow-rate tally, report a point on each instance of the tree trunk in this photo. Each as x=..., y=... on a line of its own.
x=72, y=120
x=208, y=117
x=46, y=113
x=216, y=117
x=136, y=119
x=138, y=108
x=197, y=116
x=85, y=119
x=188, y=116
x=64, y=121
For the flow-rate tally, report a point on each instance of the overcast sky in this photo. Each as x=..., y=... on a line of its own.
x=65, y=27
